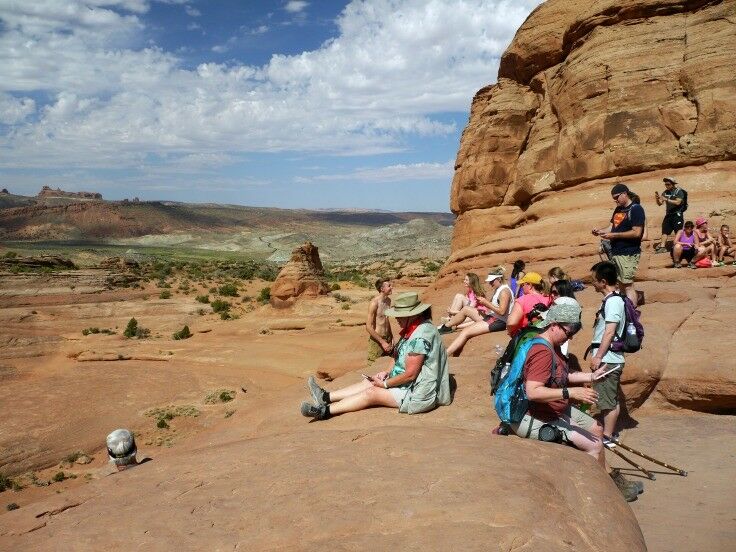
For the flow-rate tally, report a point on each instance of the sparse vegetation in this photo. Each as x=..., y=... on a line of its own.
x=133, y=330
x=228, y=290
x=12, y=506
x=106, y=331
x=203, y=299
x=220, y=306
x=165, y=294
x=220, y=396
x=184, y=333
x=264, y=296
x=335, y=286
x=345, y=306
x=163, y=415
x=229, y=413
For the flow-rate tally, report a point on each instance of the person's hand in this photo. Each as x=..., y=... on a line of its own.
x=605, y=235
x=595, y=363
x=378, y=382
x=583, y=394
x=597, y=373
x=381, y=375
x=387, y=346
x=595, y=232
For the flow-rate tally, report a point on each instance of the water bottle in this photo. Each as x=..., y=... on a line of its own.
x=505, y=370
x=630, y=328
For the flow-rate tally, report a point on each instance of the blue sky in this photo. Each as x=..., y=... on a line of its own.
x=288, y=103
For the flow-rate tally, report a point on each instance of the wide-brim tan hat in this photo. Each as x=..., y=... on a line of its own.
x=406, y=304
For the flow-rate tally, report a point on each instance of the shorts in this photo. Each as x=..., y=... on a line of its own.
x=398, y=393
x=626, y=266
x=496, y=324
x=608, y=387
x=528, y=428
x=687, y=254
x=375, y=350
x=672, y=222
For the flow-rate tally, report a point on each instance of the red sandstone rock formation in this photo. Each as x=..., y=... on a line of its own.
x=302, y=275
x=593, y=93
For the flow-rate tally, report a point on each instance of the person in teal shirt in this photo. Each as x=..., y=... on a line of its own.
x=418, y=381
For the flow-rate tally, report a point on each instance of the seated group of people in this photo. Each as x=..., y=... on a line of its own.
x=695, y=242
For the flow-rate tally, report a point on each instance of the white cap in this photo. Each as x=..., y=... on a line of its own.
x=121, y=447
x=492, y=277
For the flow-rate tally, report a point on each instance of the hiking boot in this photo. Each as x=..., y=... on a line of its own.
x=444, y=329
x=637, y=485
x=318, y=394
x=629, y=490
x=318, y=412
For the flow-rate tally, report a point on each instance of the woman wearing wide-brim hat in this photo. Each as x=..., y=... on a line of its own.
x=418, y=381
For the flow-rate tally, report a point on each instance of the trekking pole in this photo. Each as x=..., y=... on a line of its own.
x=643, y=470
x=647, y=457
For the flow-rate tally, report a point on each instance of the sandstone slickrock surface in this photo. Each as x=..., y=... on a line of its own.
x=590, y=94
x=374, y=480
x=302, y=275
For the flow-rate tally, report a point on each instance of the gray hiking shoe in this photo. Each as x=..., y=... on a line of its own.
x=629, y=489
x=318, y=394
x=318, y=412
x=638, y=485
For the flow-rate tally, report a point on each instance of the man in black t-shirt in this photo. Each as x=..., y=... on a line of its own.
x=673, y=197
x=625, y=233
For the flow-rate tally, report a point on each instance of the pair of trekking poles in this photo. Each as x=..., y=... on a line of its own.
x=613, y=445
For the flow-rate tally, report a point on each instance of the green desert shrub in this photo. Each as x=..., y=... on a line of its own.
x=184, y=333
x=203, y=299
x=220, y=396
x=165, y=294
x=219, y=305
x=131, y=328
x=228, y=290
x=264, y=296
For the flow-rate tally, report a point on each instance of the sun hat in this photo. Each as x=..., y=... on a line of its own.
x=121, y=447
x=669, y=179
x=563, y=313
x=700, y=221
x=531, y=278
x=560, y=301
x=495, y=273
x=619, y=189
x=406, y=304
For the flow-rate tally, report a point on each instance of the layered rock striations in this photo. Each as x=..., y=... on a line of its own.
x=597, y=90
x=49, y=193
x=302, y=275
x=589, y=94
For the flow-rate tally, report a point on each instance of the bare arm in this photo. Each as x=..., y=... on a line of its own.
x=606, y=340
x=538, y=392
x=413, y=366
x=514, y=320
x=601, y=231
x=635, y=232
x=503, y=306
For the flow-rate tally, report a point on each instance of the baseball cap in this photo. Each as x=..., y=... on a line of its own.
x=531, y=278
x=700, y=221
x=619, y=189
x=669, y=179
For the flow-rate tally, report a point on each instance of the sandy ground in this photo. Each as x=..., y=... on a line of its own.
x=54, y=404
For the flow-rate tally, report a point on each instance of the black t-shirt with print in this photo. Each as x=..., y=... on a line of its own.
x=676, y=193
x=623, y=220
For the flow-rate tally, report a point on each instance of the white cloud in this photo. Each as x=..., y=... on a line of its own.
x=392, y=67
x=295, y=6
x=259, y=30
x=14, y=110
x=192, y=12
x=391, y=173
x=193, y=26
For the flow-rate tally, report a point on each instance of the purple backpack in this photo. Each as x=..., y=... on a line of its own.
x=633, y=336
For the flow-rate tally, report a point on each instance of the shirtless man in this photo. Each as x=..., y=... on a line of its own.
x=380, y=340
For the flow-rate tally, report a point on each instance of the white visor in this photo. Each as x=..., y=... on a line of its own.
x=492, y=277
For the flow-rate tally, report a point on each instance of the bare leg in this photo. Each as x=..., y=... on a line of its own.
x=701, y=254
x=479, y=328
x=630, y=292
x=465, y=312
x=589, y=441
x=458, y=303
x=676, y=254
x=610, y=417
x=350, y=390
x=371, y=396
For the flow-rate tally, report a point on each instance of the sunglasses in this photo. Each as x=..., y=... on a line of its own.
x=615, y=197
x=569, y=332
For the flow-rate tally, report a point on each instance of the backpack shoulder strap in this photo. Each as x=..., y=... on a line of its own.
x=553, y=371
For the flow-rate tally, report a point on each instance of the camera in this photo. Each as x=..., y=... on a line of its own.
x=550, y=434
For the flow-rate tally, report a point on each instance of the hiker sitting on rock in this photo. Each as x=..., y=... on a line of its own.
x=726, y=247
x=706, y=240
x=464, y=302
x=499, y=308
x=686, y=247
x=535, y=299
x=418, y=381
x=548, y=393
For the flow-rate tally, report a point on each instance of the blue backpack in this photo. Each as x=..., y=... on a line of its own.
x=511, y=402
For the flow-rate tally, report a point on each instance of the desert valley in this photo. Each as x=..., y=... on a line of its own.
x=196, y=326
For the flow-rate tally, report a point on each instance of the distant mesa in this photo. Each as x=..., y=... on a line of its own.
x=48, y=193
x=4, y=191
x=303, y=275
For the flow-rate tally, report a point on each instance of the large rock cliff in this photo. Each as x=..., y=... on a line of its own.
x=589, y=94
x=592, y=91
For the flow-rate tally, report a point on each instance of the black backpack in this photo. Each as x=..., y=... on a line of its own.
x=683, y=205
